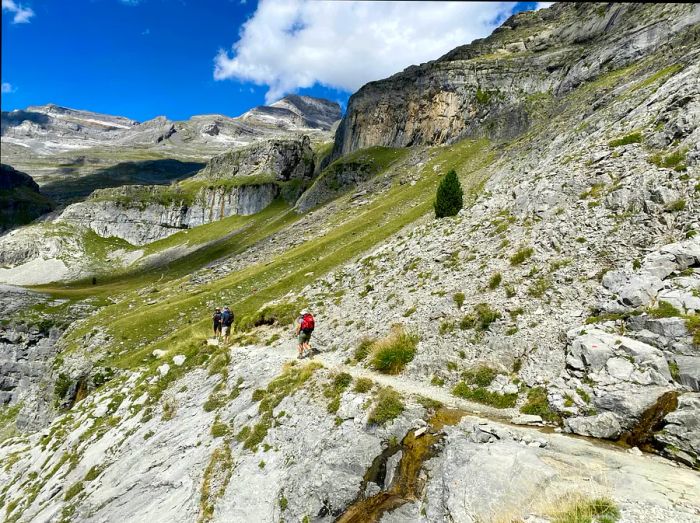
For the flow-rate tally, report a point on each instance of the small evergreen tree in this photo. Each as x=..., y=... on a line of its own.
x=448, y=201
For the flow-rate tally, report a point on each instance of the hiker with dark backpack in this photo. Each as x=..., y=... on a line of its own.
x=217, y=322
x=226, y=323
x=305, y=326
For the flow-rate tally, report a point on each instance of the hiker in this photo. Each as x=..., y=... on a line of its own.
x=305, y=326
x=226, y=323
x=217, y=322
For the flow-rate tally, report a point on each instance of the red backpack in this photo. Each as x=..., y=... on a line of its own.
x=307, y=323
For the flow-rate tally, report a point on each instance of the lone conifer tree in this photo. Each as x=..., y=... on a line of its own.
x=449, y=196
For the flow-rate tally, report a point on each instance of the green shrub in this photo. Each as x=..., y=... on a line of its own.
x=523, y=254
x=495, y=280
x=635, y=137
x=391, y=354
x=448, y=200
x=459, y=299
x=482, y=395
x=364, y=348
x=363, y=385
x=283, y=503
x=538, y=405
x=481, y=376
x=388, y=407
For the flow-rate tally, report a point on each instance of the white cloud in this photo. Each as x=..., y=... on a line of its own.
x=291, y=44
x=146, y=32
x=21, y=14
x=7, y=88
x=543, y=5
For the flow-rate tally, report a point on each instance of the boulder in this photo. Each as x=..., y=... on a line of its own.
x=689, y=371
x=605, y=425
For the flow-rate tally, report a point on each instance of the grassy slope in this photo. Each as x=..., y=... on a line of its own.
x=140, y=327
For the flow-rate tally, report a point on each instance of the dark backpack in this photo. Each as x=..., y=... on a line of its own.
x=227, y=318
x=307, y=323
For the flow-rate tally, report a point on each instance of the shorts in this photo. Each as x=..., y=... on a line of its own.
x=304, y=337
x=225, y=330
x=217, y=327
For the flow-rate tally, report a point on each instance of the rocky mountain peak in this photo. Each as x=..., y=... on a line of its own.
x=296, y=111
x=486, y=88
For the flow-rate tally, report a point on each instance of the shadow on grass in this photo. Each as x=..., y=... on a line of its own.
x=70, y=188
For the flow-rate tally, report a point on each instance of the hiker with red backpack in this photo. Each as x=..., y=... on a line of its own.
x=305, y=326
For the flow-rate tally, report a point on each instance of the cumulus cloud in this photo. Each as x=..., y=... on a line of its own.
x=292, y=44
x=21, y=14
x=7, y=88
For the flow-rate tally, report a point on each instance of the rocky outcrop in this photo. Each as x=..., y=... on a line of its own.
x=21, y=200
x=125, y=213
x=240, y=182
x=491, y=86
x=26, y=358
x=274, y=160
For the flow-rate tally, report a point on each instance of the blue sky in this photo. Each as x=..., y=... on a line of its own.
x=144, y=58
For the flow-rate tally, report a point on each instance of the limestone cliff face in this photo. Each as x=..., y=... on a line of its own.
x=489, y=87
x=140, y=223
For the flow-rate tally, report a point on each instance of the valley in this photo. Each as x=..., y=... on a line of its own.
x=533, y=358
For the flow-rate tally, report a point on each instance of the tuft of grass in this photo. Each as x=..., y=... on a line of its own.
x=635, y=137
x=581, y=510
x=458, y=299
x=481, y=376
x=388, y=407
x=495, y=280
x=93, y=473
x=292, y=379
x=481, y=318
x=675, y=160
x=676, y=206
x=73, y=491
x=538, y=405
x=363, y=385
x=428, y=403
x=364, y=348
x=215, y=480
x=391, y=353
x=219, y=429
x=482, y=395
x=540, y=286
x=664, y=310
x=521, y=255
x=335, y=389
x=692, y=323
